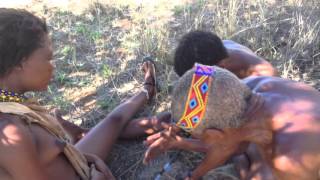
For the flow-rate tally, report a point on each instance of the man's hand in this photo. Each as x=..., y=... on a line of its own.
x=162, y=141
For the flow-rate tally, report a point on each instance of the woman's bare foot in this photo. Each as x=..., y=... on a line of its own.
x=145, y=126
x=155, y=122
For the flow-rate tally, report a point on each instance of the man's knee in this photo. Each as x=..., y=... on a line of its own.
x=261, y=171
x=242, y=165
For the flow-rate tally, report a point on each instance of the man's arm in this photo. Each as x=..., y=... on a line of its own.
x=169, y=139
x=190, y=144
x=18, y=154
x=164, y=144
x=244, y=62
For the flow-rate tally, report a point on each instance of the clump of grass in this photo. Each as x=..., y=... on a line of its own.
x=106, y=71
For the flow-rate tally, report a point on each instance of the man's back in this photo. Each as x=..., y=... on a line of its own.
x=293, y=109
x=244, y=62
x=207, y=48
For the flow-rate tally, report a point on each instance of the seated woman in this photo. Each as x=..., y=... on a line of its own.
x=34, y=145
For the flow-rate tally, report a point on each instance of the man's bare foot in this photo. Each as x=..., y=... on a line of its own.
x=149, y=78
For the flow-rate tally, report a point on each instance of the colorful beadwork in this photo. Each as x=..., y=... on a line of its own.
x=196, y=103
x=7, y=96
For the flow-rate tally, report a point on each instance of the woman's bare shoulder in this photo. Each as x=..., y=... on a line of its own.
x=12, y=129
x=10, y=119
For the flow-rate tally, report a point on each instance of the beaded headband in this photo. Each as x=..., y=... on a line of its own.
x=196, y=103
x=8, y=96
x=195, y=107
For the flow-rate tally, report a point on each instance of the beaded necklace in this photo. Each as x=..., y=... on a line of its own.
x=8, y=96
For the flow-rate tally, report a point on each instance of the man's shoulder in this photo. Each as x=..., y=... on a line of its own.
x=228, y=41
x=253, y=81
x=232, y=45
x=271, y=84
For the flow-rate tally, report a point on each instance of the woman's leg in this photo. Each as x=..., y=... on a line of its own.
x=76, y=132
x=100, y=138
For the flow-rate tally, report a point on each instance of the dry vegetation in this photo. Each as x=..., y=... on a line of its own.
x=99, y=46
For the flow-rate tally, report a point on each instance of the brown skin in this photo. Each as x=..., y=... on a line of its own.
x=31, y=152
x=281, y=136
x=244, y=63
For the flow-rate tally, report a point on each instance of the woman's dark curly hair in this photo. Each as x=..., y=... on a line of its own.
x=21, y=33
x=198, y=46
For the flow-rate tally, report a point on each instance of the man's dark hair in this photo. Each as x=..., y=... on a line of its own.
x=21, y=33
x=198, y=46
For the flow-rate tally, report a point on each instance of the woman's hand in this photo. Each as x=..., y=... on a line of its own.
x=99, y=170
x=96, y=175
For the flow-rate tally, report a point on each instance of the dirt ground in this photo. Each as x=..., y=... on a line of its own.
x=99, y=46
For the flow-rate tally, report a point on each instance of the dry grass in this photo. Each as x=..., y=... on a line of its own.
x=99, y=46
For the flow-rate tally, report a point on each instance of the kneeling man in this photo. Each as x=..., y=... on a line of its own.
x=269, y=124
